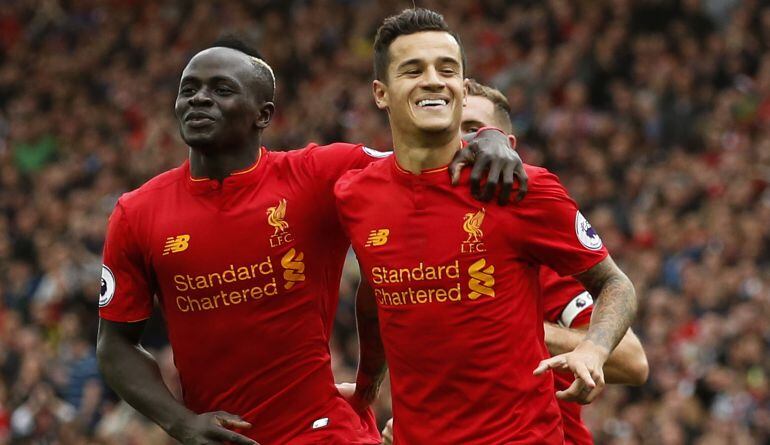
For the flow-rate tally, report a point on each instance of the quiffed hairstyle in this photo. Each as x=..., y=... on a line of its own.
x=498, y=99
x=264, y=71
x=409, y=21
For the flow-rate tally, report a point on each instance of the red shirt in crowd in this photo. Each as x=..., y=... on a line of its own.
x=247, y=275
x=460, y=311
x=568, y=304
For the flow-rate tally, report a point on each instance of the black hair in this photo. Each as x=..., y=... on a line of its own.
x=263, y=71
x=408, y=21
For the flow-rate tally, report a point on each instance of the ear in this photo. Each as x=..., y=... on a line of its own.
x=264, y=116
x=512, y=141
x=380, y=92
x=466, y=88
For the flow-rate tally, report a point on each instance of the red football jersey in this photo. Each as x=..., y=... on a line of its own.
x=568, y=304
x=247, y=274
x=456, y=284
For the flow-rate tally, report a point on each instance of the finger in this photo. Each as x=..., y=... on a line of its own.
x=230, y=421
x=346, y=390
x=387, y=433
x=590, y=396
x=231, y=436
x=571, y=394
x=506, y=186
x=550, y=363
x=461, y=160
x=581, y=371
x=523, y=179
x=594, y=392
x=479, y=166
x=598, y=376
x=493, y=178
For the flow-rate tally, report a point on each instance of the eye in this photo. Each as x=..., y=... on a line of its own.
x=187, y=91
x=223, y=91
x=448, y=71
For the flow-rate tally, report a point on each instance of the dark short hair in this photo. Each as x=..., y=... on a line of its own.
x=498, y=99
x=263, y=71
x=238, y=43
x=408, y=21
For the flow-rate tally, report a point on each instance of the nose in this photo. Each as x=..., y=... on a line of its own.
x=201, y=98
x=431, y=79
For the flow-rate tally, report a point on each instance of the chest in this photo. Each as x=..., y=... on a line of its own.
x=431, y=226
x=254, y=229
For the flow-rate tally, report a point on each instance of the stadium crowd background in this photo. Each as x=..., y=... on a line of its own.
x=655, y=114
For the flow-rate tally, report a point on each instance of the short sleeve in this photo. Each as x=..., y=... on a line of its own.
x=126, y=294
x=564, y=298
x=330, y=162
x=552, y=231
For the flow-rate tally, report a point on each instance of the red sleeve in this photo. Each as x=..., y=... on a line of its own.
x=126, y=293
x=329, y=162
x=563, y=298
x=552, y=230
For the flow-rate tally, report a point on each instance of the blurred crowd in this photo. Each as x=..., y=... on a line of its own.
x=654, y=113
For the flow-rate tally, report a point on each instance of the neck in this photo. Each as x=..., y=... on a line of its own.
x=426, y=151
x=219, y=164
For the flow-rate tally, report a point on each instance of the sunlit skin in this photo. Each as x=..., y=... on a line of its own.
x=423, y=66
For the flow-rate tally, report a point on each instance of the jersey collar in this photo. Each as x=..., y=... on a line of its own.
x=439, y=175
x=236, y=179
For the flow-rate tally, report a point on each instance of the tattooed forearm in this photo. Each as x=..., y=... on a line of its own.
x=615, y=306
x=371, y=361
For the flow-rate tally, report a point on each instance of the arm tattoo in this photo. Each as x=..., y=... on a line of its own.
x=616, y=303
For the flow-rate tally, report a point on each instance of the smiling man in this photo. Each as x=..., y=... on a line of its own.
x=455, y=283
x=243, y=251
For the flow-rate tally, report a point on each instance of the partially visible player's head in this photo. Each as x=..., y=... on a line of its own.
x=419, y=67
x=225, y=96
x=485, y=107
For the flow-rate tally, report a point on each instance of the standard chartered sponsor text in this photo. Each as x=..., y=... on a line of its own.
x=231, y=276
x=450, y=289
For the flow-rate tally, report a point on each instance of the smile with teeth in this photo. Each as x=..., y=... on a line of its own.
x=432, y=102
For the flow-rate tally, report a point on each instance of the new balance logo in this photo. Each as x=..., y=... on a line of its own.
x=176, y=244
x=482, y=280
x=377, y=237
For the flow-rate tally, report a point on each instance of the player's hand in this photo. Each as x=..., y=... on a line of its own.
x=354, y=398
x=214, y=428
x=585, y=363
x=491, y=151
x=387, y=433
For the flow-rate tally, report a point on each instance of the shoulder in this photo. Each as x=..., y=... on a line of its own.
x=147, y=193
x=362, y=179
x=338, y=151
x=313, y=150
x=540, y=177
x=544, y=185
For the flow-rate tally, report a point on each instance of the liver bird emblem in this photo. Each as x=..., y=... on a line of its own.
x=472, y=225
x=275, y=216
